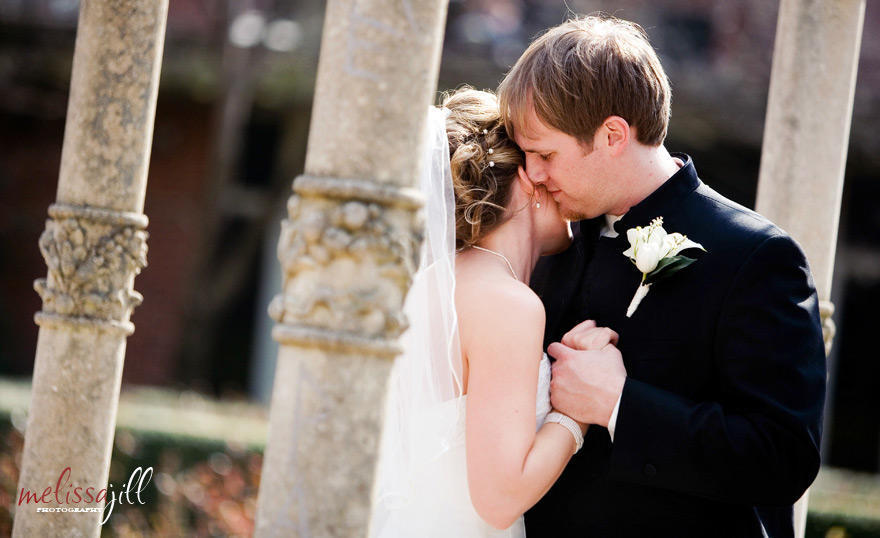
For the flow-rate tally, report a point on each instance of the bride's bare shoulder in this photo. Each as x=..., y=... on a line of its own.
x=486, y=299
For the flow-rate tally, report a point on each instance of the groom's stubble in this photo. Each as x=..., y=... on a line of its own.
x=574, y=214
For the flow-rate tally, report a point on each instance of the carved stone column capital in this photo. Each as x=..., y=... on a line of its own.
x=93, y=255
x=826, y=310
x=348, y=250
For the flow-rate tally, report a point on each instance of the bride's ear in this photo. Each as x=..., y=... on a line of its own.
x=524, y=182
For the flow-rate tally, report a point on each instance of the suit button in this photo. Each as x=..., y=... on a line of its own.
x=649, y=470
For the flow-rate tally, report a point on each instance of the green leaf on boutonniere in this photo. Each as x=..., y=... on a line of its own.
x=668, y=267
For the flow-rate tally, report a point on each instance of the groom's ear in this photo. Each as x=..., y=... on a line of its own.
x=616, y=134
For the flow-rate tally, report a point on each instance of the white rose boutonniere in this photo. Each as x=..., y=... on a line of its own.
x=655, y=253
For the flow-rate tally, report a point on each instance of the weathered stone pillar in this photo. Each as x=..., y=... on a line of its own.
x=347, y=253
x=94, y=245
x=806, y=135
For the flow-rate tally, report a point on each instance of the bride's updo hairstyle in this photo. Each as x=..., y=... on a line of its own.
x=484, y=163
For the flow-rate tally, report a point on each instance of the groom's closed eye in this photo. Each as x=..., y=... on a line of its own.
x=544, y=155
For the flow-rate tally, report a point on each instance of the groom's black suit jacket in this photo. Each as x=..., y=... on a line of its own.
x=720, y=418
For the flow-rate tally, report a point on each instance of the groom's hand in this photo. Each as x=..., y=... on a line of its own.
x=586, y=383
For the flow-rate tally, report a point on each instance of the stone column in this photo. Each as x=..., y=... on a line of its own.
x=94, y=244
x=806, y=135
x=347, y=251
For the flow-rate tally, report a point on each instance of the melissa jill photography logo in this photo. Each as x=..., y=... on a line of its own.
x=62, y=501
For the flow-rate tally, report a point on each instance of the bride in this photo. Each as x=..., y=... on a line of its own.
x=462, y=454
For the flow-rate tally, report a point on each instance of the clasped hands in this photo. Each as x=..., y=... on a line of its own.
x=588, y=375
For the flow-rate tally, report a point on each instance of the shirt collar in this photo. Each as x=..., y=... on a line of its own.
x=609, y=224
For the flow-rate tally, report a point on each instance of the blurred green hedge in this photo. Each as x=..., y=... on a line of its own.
x=207, y=458
x=836, y=526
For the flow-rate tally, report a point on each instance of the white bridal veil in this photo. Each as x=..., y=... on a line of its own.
x=424, y=404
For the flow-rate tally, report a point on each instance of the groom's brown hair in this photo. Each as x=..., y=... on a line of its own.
x=581, y=72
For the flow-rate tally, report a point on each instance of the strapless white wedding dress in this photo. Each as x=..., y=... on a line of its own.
x=440, y=505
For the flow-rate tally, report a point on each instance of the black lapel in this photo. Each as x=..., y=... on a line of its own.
x=558, y=279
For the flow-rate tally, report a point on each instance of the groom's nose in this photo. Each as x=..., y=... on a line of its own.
x=535, y=169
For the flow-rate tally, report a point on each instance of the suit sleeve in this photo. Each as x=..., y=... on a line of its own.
x=759, y=443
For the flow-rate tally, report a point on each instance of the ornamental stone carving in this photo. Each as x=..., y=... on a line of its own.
x=348, y=250
x=829, y=328
x=92, y=256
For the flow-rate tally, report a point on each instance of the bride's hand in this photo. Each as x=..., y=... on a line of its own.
x=587, y=336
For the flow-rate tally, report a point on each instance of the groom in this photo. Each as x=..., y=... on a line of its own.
x=707, y=413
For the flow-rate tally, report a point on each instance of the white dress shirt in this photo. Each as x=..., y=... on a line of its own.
x=608, y=230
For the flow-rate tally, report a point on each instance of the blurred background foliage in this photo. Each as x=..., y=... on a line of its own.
x=231, y=129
